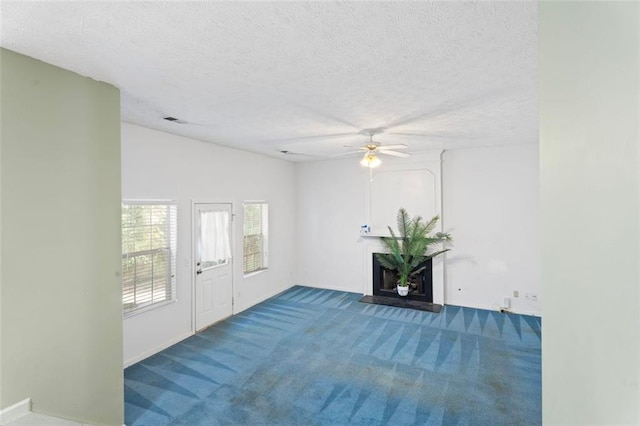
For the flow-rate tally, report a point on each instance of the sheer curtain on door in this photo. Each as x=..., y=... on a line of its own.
x=215, y=247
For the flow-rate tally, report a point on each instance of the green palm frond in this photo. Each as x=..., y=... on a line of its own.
x=428, y=227
x=387, y=261
x=408, y=249
x=434, y=254
x=403, y=221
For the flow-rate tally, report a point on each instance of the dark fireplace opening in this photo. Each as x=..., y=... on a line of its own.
x=420, y=285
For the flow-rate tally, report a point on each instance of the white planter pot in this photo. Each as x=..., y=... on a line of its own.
x=403, y=291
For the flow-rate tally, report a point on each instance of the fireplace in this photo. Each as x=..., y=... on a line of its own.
x=420, y=287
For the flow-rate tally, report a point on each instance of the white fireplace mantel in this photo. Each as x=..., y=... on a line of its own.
x=416, y=185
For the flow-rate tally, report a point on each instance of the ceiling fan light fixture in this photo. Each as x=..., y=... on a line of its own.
x=370, y=160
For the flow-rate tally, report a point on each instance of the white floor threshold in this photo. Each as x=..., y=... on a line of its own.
x=34, y=419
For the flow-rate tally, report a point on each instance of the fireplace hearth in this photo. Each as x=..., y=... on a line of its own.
x=420, y=288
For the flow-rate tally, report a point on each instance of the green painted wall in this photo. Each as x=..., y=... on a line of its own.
x=589, y=78
x=61, y=293
x=1, y=316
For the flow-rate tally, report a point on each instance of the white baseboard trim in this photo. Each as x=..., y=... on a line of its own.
x=495, y=307
x=15, y=411
x=254, y=302
x=157, y=349
x=331, y=287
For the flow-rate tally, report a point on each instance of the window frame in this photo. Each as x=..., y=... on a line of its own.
x=264, y=232
x=171, y=249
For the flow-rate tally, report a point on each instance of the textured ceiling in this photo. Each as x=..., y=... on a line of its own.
x=305, y=77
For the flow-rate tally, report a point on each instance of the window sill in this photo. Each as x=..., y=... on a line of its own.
x=147, y=308
x=251, y=274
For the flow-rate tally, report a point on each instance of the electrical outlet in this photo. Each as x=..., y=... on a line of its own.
x=533, y=297
x=516, y=293
x=506, y=303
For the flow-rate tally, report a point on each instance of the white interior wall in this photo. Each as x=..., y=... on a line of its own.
x=491, y=206
x=330, y=210
x=494, y=224
x=158, y=165
x=334, y=199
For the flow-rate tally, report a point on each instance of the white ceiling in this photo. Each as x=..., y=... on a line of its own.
x=306, y=77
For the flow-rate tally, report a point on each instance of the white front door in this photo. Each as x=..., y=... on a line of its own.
x=213, y=263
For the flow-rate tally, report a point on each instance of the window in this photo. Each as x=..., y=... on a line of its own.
x=255, y=247
x=148, y=254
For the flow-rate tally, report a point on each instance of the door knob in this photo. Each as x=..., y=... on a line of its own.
x=199, y=271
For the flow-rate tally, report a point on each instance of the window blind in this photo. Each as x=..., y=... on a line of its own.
x=148, y=253
x=255, y=232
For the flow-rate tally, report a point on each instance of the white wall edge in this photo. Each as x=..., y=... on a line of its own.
x=147, y=354
x=259, y=300
x=15, y=411
x=496, y=308
x=329, y=287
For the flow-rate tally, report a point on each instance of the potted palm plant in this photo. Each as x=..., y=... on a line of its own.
x=408, y=249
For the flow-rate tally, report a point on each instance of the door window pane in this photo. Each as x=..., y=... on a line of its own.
x=213, y=239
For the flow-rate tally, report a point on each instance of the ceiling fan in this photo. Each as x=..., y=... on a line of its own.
x=370, y=159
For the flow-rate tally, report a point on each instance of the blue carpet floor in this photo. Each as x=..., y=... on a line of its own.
x=319, y=357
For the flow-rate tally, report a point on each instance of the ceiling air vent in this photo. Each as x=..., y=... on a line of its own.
x=174, y=120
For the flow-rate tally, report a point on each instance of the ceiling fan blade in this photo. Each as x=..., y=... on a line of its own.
x=346, y=153
x=311, y=137
x=398, y=146
x=361, y=148
x=396, y=154
x=432, y=135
